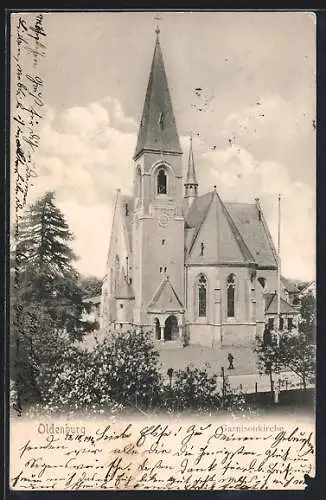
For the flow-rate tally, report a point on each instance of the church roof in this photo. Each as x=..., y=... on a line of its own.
x=248, y=227
x=271, y=305
x=198, y=210
x=165, y=298
x=157, y=129
x=254, y=231
x=198, y=215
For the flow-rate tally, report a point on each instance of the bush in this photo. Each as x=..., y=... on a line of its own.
x=129, y=368
x=120, y=372
x=195, y=391
x=74, y=384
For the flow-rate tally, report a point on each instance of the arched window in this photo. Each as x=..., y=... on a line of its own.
x=161, y=182
x=202, y=295
x=230, y=295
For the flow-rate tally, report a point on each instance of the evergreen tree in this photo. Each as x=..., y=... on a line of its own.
x=46, y=299
x=44, y=273
x=42, y=250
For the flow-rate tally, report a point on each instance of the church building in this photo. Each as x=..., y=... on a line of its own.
x=190, y=267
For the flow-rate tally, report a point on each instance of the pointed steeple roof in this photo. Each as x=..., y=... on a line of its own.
x=157, y=130
x=191, y=172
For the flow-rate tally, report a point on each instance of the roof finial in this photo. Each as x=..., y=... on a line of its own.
x=157, y=19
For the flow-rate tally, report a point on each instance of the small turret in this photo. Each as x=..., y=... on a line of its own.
x=191, y=184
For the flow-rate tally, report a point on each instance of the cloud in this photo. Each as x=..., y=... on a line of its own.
x=91, y=226
x=239, y=177
x=276, y=129
x=86, y=154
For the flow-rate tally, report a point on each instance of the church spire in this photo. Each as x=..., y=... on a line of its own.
x=157, y=131
x=191, y=184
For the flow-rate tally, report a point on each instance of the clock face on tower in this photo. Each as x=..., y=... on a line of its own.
x=163, y=220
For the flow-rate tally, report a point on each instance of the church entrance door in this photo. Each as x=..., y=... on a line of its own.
x=171, y=330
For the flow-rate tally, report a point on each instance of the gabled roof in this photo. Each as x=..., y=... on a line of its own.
x=250, y=222
x=306, y=287
x=157, y=129
x=289, y=286
x=197, y=215
x=198, y=210
x=165, y=298
x=271, y=305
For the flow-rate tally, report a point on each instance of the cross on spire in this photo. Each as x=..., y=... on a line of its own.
x=157, y=19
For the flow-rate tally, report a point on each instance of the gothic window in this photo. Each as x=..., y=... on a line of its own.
x=202, y=246
x=161, y=182
x=281, y=323
x=230, y=295
x=202, y=295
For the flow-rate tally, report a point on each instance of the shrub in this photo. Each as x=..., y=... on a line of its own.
x=120, y=372
x=129, y=368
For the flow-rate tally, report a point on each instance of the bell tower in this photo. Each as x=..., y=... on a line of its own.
x=158, y=224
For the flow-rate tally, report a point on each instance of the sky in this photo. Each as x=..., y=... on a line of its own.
x=252, y=122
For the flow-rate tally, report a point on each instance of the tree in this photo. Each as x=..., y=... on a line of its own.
x=44, y=273
x=299, y=356
x=42, y=246
x=121, y=372
x=129, y=371
x=268, y=359
x=308, y=317
x=33, y=341
x=292, y=352
x=90, y=285
x=45, y=300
